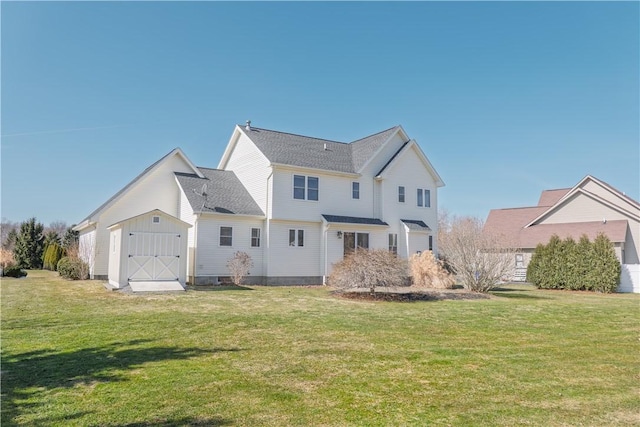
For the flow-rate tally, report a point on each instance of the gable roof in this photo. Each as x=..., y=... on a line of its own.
x=223, y=193
x=550, y=197
x=284, y=148
x=578, y=189
x=158, y=211
x=519, y=226
x=413, y=145
x=176, y=151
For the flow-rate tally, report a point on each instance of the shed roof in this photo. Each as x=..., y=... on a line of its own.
x=353, y=220
x=415, y=225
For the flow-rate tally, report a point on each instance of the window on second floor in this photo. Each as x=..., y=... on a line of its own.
x=401, y=194
x=424, y=198
x=355, y=190
x=226, y=236
x=305, y=187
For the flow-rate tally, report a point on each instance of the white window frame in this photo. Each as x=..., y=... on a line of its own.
x=306, y=189
x=255, y=240
x=155, y=220
x=393, y=243
x=402, y=194
x=298, y=238
x=423, y=198
x=230, y=236
x=355, y=190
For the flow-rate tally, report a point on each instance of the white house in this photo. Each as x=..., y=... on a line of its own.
x=296, y=204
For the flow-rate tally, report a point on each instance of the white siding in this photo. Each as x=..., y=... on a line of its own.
x=607, y=194
x=630, y=278
x=115, y=248
x=186, y=215
x=408, y=171
x=285, y=260
x=334, y=198
x=211, y=258
x=581, y=208
x=87, y=248
x=158, y=190
x=251, y=168
x=383, y=156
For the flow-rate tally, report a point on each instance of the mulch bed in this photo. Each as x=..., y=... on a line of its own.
x=395, y=296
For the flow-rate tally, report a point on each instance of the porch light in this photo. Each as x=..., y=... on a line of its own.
x=339, y=234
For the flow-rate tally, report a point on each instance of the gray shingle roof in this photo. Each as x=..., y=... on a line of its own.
x=416, y=225
x=304, y=151
x=224, y=193
x=353, y=220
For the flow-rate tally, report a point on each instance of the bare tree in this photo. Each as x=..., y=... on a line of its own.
x=239, y=266
x=480, y=258
x=8, y=233
x=427, y=271
x=59, y=227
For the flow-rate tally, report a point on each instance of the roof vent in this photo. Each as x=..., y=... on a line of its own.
x=325, y=146
x=248, y=126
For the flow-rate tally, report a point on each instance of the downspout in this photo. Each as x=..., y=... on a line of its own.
x=265, y=251
x=194, y=263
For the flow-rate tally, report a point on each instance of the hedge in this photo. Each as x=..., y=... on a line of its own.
x=585, y=265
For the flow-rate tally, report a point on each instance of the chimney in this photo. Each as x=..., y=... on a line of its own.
x=248, y=126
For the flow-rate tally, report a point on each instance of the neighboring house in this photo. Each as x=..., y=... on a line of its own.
x=296, y=204
x=589, y=208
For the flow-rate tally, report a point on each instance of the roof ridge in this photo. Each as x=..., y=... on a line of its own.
x=374, y=134
x=297, y=134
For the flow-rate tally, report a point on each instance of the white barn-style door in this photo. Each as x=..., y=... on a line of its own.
x=153, y=256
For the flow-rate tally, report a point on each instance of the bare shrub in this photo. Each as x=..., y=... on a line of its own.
x=429, y=272
x=6, y=259
x=369, y=269
x=480, y=258
x=74, y=267
x=239, y=266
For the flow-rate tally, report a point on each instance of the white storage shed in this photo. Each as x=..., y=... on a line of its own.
x=148, y=252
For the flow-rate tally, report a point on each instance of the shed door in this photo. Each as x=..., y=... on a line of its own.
x=153, y=256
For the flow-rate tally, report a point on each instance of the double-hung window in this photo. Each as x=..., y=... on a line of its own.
x=393, y=243
x=296, y=238
x=226, y=236
x=355, y=190
x=305, y=187
x=255, y=237
x=401, y=194
x=424, y=198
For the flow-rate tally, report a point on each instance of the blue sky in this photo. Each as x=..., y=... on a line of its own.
x=505, y=98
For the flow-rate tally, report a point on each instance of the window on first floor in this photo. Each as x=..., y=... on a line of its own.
x=393, y=243
x=226, y=236
x=423, y=198
x=296, y=238
x=353, y=241
x=519, y=260
x=355, y=190
x=431, y=243
x=255, y=237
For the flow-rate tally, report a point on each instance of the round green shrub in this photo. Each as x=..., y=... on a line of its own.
x=14, y=271
x=72, y=268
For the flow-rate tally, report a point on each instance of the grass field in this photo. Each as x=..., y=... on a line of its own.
x=76, y=354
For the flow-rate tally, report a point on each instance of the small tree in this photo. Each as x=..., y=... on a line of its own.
x=29, y=245
x=429, y=272
x=370, y=269
x=480, y=258
x=605, y=273
x=239, y=266
x=70, y=238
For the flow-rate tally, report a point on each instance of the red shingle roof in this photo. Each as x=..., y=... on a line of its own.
x=550, y=197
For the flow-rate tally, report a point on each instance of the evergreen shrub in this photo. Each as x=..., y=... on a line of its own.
x=13, y=271
x=581, y=266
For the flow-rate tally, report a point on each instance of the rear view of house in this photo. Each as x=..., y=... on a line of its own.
x=295, y=204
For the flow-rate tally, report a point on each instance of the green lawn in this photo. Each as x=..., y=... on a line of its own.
x=76, y=354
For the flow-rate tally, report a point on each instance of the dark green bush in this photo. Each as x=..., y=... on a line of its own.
x=565, y=264
x=14, y=271
x=73, y=268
